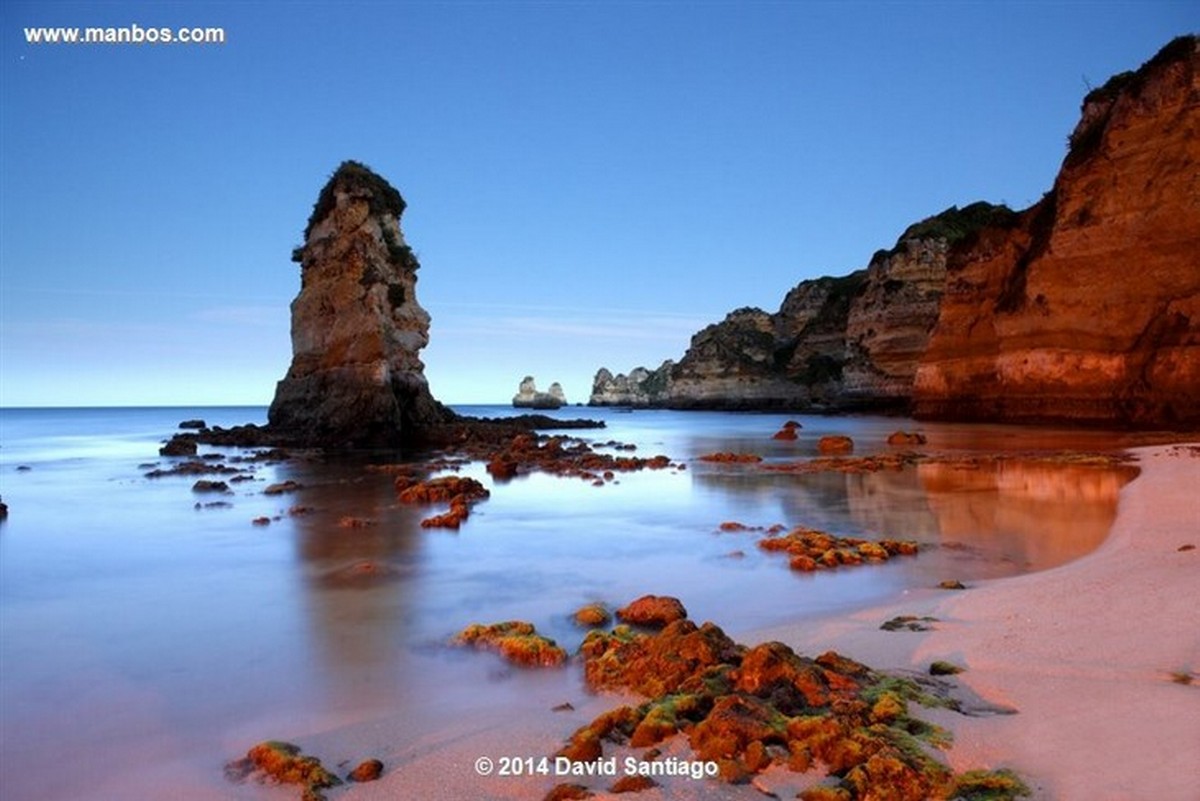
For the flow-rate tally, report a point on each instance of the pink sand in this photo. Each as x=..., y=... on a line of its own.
x=1085, y=652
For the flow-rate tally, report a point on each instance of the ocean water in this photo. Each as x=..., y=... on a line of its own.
x=151, y=636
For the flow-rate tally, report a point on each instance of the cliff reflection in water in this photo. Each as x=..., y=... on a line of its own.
x=1039, y=513
x=988, y=516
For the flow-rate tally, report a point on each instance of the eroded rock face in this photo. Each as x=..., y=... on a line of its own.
x=836, y=343
x=357, y=328
x=528, y=396
x=640, y=388
x=1088, y=308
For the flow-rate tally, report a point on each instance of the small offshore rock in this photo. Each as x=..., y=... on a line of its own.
x=592, y=615
x=835, y=444
x=282, y=487
x=194, y=423
x=654, y=611
x=952, y=584
x=178, y=445
x=905, y=438
x=367, y=771
x=515, y=640
x=204, y=485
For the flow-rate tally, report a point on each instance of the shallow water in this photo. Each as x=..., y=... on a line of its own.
x=151, y=640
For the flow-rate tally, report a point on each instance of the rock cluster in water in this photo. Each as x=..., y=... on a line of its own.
x=528, y=396
x=1082, y=308
x=357, y=329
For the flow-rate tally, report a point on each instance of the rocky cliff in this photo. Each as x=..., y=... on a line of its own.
x=834, y=344
x=640, y=388
x=1083, y=308
x=1087, y=308
x=357, y=329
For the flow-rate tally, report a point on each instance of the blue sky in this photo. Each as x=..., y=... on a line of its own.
x=588, y=184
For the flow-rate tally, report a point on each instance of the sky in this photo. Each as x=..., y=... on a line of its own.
x=588, y=183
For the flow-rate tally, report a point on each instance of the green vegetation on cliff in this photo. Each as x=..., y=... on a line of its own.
x=353, y=176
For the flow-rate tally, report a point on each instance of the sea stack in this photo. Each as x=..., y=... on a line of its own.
x=528, y=396
x=356, y=379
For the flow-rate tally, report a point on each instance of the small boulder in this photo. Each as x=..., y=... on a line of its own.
x=835, y=444
x=367, y=771
x=196, y=424
x=515, y=640
x=905, y=438
x=654, y=611
x=178, y=445
x=205, y=485
x=592, y=615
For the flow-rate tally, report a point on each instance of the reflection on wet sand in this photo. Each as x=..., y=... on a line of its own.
x=360, y=552
x=1039, y=513
x=1007, y=514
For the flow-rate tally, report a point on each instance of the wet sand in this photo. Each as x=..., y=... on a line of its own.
x=1084, y=652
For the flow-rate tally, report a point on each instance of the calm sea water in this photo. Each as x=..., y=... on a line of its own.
x=151, y=637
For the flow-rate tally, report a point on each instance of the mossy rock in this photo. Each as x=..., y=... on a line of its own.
x=515, y=640
x=989, y=785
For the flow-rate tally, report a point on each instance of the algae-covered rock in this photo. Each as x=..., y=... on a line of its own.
x=592, y=615
x=653, y=610
x=989, y=785
x=515, y=640
x=284, y=763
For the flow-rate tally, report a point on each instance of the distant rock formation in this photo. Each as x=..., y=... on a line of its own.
x=849, y=343
x=357, y=329
x=1087, y=308
x=641, y=388
x=528, y=397
x=1083, y=308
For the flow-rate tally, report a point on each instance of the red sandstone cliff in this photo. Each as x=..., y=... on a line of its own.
x=1088, y=308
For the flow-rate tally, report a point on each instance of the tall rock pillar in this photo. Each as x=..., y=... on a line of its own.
x=357, y=329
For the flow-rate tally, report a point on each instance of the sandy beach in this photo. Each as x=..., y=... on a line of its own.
x=1085, y=653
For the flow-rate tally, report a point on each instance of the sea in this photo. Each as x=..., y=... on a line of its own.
x=149, y=632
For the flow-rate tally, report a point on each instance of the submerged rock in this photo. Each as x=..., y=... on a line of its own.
x=356, y=378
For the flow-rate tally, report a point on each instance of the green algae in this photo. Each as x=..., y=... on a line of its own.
x=989, y=785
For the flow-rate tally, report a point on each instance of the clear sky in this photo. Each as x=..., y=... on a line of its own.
x=588, y=184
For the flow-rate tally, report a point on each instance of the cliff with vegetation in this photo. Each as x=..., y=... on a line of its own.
x=357, y=329
x=1083, y=308
x=1087, y=308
